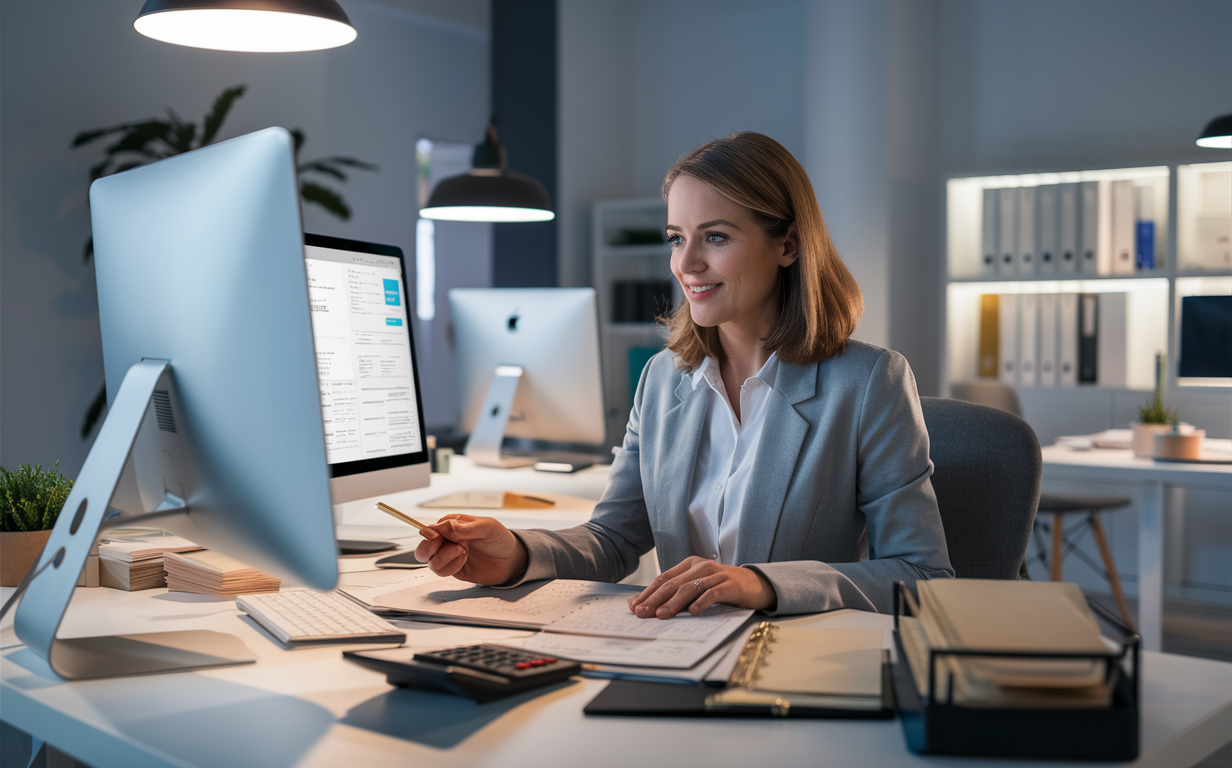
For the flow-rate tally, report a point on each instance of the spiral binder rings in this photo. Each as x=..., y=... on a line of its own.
x=937, y=720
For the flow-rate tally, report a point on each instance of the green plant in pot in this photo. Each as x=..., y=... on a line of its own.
x=1154, y=418
x=30, y=502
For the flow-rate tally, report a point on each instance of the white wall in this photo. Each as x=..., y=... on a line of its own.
x=78, y=64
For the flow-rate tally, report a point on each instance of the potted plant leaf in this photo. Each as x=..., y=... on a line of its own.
x=157, y=138
x=1153, y=417
x=30, y=502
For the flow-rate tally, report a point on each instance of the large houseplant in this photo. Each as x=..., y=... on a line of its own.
x=30, y=502
x=156, y=138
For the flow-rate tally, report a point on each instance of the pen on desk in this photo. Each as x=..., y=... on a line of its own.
x=401, y=516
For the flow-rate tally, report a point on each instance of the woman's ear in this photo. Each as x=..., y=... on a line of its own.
x=789, y=249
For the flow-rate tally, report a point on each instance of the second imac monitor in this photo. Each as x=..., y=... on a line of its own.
x=528, y=367
x=366, y=368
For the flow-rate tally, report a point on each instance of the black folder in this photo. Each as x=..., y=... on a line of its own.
x=632, y=698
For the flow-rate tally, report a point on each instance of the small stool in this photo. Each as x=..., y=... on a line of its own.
x=1065, y=540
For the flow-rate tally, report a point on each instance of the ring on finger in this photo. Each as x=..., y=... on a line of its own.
x=697, y=585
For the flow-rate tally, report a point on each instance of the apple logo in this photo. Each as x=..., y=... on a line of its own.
x=513, y=322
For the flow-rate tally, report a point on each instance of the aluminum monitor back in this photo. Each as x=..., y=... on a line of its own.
x=200, y=262
x=552, y=333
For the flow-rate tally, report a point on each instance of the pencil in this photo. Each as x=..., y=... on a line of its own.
x=401, y=516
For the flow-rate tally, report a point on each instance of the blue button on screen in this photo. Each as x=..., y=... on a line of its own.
x=393, y=321
x=391, y=293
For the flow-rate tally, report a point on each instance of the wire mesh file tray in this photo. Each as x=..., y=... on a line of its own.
x=936, y=724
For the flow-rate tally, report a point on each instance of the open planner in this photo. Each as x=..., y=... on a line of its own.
x=583, y=620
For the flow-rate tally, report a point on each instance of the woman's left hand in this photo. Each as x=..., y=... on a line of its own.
x=696, y=583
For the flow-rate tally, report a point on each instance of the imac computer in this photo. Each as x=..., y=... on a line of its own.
x=529, y=375
x=214, y=428
x=366, y=368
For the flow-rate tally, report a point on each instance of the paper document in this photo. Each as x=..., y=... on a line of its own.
x=595, y=615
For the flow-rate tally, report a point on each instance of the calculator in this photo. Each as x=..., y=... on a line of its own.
x=479, y=672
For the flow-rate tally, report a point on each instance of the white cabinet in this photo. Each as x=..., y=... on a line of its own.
x=633, y=279
x=1097, y=214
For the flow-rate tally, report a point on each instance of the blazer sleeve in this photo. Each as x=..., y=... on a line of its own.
x=894, y=494
x=609, y=546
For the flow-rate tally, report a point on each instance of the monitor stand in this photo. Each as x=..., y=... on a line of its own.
x=484, y=445
x=50, y=583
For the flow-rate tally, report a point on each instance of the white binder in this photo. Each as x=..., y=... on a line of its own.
x=988, y=234
x=1067, y=340
x=1025, y=253
x=1067, y=229
x=1046, y=229
x=1088, y=233
x=1007, y=346
x=1112, y=340
x=1007, y=229
x=1028, y=339
x=1046, y=360
x=1124, y=227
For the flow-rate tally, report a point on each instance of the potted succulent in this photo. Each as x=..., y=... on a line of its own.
x=30, y=502
x=1153, y=417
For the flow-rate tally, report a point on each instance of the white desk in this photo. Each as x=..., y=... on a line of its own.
x=1103, y=465
x=309, y=707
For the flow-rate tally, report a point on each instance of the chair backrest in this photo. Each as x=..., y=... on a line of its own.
x=987, y=470
x=990, y=393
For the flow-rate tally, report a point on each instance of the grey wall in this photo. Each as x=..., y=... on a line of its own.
x=879, y=100
x=417, y=69
x=524, y=84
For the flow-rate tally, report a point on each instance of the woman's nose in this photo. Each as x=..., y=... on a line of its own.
x=689, y=259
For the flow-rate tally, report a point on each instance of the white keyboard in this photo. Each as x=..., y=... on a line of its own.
x=301, y=615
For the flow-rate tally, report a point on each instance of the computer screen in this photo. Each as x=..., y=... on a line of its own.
x=549, y=339
x=1206, y=340
x=366, y=368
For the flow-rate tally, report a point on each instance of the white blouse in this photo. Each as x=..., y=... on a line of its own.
x=725, y=459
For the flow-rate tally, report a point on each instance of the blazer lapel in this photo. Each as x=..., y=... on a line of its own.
x=681, y=436
x=774, y=466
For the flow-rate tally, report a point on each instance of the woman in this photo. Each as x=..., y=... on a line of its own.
x=773, y=463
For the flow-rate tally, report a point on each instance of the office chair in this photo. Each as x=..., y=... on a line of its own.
x=1064, y=539
x=986, y=474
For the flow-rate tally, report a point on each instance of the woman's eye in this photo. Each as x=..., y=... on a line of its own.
x=716, y=237
x=675, y=240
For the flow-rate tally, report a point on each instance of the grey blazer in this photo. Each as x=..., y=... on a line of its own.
x=840, y=505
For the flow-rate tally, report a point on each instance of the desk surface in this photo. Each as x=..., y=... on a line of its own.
x=1063, y=463
x=309, y=707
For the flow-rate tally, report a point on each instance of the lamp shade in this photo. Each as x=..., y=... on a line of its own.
x=489, y=191
x=1218, y=133
x=478, y=196
x=256, y=26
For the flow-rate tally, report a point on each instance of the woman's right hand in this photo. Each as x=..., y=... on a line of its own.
x=474, y=549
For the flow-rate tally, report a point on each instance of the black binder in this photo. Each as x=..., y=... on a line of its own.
x=632, y=698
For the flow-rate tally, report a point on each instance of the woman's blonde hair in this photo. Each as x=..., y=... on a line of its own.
x=819, y=300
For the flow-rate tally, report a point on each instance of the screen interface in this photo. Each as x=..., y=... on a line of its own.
x=361, y=329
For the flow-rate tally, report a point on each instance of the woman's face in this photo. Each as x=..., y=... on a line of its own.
x=726, y=265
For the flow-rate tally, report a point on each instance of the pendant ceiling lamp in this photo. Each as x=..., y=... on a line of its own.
x=489, y=191
x=1218, y=133
x=255, y=26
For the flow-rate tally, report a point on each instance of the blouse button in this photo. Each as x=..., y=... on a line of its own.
x=718, y=486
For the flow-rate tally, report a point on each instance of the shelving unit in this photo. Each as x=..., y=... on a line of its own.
x=1190, y=202
x=615, y=262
